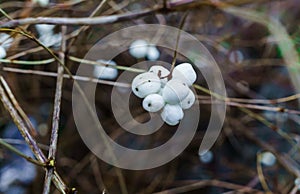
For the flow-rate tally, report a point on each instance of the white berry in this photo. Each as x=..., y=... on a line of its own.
x=42, y=3
x=5, y=40
x=105, y=72
x=153, y=53
x=153, y=103
x=160, y=71
x=188, y=101
x=185, y=72
x=145, y=84
x=2, y=52
x=44, y=29
x=51, y=40
x=172, y=114
x=175, y=91
x=268, y=159
x=138, y=48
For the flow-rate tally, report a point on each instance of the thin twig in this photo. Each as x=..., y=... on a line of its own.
x=207, y=183
x=260, y=173
x=78, y=21
x=67, y=76
x=16, y=151
x=56, y=115
x=8, y=105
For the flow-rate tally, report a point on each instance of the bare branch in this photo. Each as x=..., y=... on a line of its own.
x=56, y=115
x=79, y=21
x=23, y=128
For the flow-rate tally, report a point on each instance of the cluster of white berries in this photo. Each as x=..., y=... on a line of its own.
x=141, y=49
x=5, y=43
x=171, y=96
x=47, y=36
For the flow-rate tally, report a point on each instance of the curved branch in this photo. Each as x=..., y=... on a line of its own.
x=79, y=21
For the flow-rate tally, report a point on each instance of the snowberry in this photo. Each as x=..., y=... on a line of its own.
x=103, y=72
x=153, y=103
x=45, y=29
x=145, y=84
x=161, y=72
x=138, y=48
x=5, y=40
x=152, y=53
x=268, y=159
x=185, y=72
x=172, y=114
x=141, y=48
x=51, y=40
x=297, y=183
x=2, y=52
x=42, y=3
x=207, y=157
x=175, y=91
x=188, y=101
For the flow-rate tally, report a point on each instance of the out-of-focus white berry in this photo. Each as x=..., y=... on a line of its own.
x=153, y=103
x=268, y=159
x=185, y=72
x=51, y=40
x=172, y=114
x=297, y=183
x=188, y=101
x=5, y=40
x=42, y=3
x=138, y=48
x=175, y=91
x=45, y=29
x=2, y=52
x=160, y=71
x=236, y=56
x=145, y=84
x=207, y=157
x=103, y=72
x=152, y=53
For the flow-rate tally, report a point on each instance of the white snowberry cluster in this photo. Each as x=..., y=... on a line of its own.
x=171, y=96
x=47, y=35
x=5, y=43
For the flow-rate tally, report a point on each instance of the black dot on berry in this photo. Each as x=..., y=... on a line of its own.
x=189, y=102
x=149, y=80
x=136, y=89
x=149, y=105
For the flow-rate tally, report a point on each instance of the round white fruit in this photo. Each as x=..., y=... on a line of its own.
x=103, y=72
x=2, y=52
x=5, y=40
x=153, y=103
x=145, y=84
x=161, y=72
x=44, y=29
x=188, y=101
x=172, y=114
x=152, y=53
x=138, y=48
x=185, y=72
x=175, y=91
